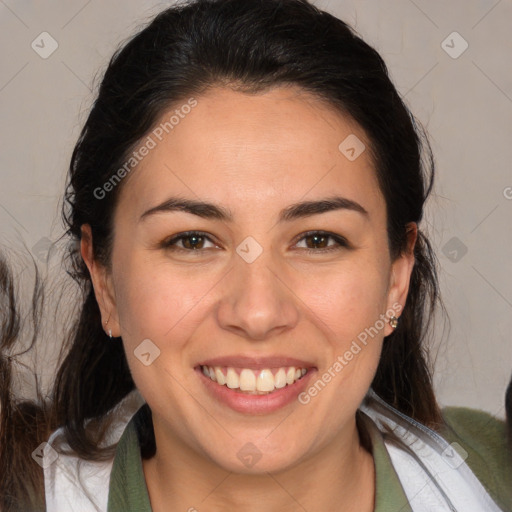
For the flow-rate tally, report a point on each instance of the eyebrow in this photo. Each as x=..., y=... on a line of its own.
x=295, y=211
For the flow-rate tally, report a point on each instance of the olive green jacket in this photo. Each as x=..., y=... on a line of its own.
x=481, y=436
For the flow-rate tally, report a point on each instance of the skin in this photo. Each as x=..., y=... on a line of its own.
x=256, y=155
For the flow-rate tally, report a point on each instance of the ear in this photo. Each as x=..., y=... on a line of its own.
x=101, y=282
x=400, y=276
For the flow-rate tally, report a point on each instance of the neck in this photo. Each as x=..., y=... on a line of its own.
x=339, y=477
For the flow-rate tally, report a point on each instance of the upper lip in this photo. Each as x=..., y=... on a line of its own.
x=256, y=362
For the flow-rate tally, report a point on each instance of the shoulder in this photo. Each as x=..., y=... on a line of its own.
x=482, y=441
x=484, y=433
x=70, y=482
x=75, y=484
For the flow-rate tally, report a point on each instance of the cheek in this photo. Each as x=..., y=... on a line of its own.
x=348, y=304
x=348, y=297
x=153, y=301
x=160, y=305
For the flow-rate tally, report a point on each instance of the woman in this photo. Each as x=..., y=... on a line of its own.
x=244, y=205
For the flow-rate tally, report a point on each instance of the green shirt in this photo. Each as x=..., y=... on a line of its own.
x=480, y=434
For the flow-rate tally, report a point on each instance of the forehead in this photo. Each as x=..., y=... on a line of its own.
x=254, y=150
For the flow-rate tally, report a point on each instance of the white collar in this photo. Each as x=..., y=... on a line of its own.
x=432, y=472
x=433, y=475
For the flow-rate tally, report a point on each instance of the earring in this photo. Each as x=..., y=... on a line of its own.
x=110, y=330
x=393, y=321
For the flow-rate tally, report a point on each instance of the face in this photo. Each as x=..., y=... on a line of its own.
x=261, y=286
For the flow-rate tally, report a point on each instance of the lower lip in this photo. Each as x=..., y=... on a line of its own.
x=256, y=404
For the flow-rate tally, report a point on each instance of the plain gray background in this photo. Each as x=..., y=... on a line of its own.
x=464, y=98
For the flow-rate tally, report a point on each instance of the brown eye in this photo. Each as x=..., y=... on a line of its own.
x=318, y=241
x=190, y=241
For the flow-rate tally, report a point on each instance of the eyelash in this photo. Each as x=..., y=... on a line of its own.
x=170, y=244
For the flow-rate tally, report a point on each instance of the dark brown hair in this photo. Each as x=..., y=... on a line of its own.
x=250, y=46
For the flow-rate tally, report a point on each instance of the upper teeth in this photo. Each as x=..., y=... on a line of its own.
x=245, y=379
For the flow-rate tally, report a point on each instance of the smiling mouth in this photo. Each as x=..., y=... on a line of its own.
x=254, y=382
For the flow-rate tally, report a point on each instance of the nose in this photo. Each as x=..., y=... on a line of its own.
x=257, y=300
